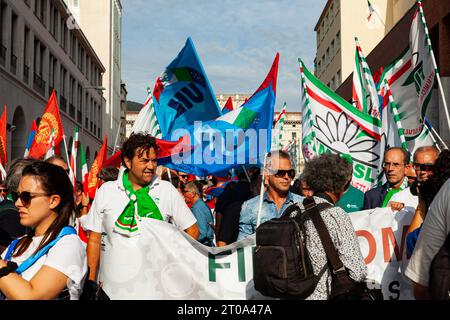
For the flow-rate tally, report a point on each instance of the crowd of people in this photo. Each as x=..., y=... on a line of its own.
x=51, y=234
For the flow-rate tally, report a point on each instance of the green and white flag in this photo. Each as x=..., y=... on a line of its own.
x=146, y=120
x=331, y=124
x=365, y=96
x=277, y=132
x=84, y=169
x=392, y=127
x=411, y=79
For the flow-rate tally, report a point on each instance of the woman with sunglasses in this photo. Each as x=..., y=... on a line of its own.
x=51, y=258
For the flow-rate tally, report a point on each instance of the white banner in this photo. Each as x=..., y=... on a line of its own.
x=165, y=263
x=382, y=238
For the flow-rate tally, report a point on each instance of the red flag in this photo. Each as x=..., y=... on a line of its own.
x=3, y=137
x=102, y=156
x=166, y=149
x=114, y=161
x=50, y=120
x=228, y=105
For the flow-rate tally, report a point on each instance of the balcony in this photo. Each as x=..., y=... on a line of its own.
x=26, y=73
x=72, y=111
x=39, y=84
x=13, y=63
x=63, y=104
x=2, y=55
x=79, y=117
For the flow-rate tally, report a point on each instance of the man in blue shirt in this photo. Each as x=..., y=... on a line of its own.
x=193, y=196
x=278, y=175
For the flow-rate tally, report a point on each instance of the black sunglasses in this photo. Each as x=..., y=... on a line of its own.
x=282, y=173
x=3, y=190
x=424, y=166
x=26, y=196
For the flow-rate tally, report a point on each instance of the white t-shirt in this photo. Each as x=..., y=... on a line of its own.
x=68, y=256
x=111, y=199
x=435, y=229
x=407, y=198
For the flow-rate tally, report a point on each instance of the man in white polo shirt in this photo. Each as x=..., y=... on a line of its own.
x=137, y=195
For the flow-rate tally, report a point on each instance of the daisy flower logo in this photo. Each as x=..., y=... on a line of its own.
x=343, y=135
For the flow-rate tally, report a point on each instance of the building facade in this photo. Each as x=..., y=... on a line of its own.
x=339, y=24
x=132, y=111
x=101, y=21
x=291, y=138
x=238, y=99
x=39, y=53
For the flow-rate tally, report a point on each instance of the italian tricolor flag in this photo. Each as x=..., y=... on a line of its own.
x=84, y=169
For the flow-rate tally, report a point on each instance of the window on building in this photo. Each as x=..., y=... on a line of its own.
x=332, y=47
x=13, y=37
x=63, y=34
x=338, y=78
x=333, y=83
x=26, y=51
x=323, y=60
x=328, y=55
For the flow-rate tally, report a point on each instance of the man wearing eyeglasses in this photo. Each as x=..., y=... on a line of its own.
x=395, y=168
x=278, y=174
x=424, y=159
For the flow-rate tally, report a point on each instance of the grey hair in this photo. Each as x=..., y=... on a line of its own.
x=195, y=186
x=14, y=174
x=327, y=173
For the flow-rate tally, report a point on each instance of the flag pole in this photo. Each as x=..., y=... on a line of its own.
x=3, y=172
x=433, y=59
x=67, y=154
x=261, y=193
x=246, y=173
x=433, y=131
x=117, y=138
x=169, y=174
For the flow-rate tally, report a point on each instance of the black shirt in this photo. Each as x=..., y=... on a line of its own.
x=10, y=227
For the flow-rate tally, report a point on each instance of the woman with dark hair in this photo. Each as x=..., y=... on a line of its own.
x=51, y=258
x=329, y=176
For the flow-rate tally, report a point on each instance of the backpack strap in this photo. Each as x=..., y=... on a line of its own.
x=31, y=260
x=330, y=250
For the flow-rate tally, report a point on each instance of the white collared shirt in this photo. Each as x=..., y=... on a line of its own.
x=111, y=199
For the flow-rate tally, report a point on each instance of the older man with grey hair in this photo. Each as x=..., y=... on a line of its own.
x=193, y=196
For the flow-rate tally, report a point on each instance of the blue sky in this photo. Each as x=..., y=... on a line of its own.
x=235, y=40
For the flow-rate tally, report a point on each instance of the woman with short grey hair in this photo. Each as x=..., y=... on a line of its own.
x=329, y=176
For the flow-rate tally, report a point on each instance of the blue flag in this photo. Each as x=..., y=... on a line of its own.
x=240, y=137
x=183, y=94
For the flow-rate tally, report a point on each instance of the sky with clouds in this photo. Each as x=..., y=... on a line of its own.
x=236, y=41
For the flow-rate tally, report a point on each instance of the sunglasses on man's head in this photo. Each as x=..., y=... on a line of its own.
x=424, y=166
x=26, y=196
x=282, y=173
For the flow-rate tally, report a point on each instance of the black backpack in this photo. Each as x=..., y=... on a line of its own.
x=439, y=284
x=281, y=264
